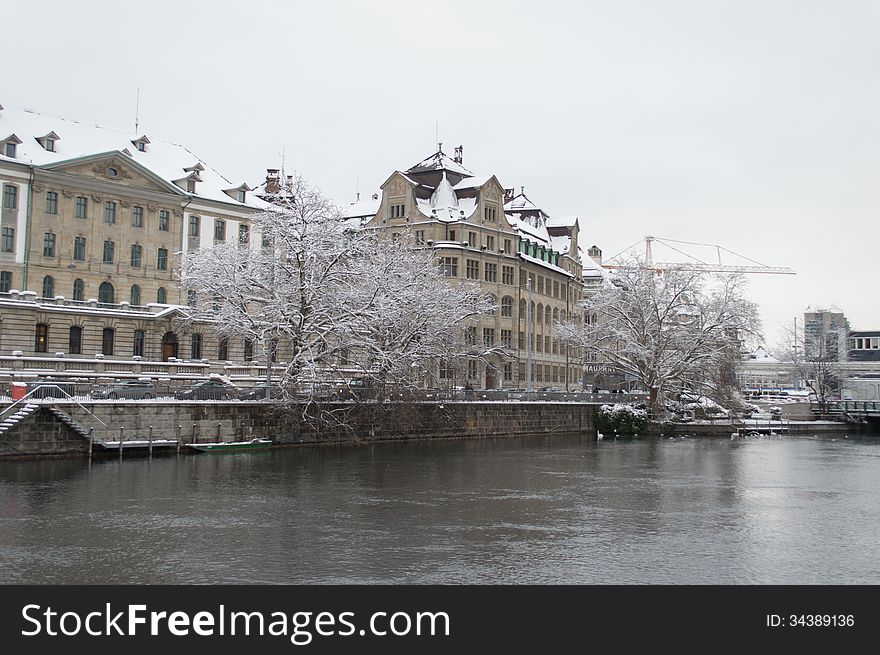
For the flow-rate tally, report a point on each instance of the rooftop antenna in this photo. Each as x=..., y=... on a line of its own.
x=137, y=110
x=357, y=188
x=283, y=155
x=436, y=134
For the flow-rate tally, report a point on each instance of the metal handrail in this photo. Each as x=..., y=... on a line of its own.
x=24, y=398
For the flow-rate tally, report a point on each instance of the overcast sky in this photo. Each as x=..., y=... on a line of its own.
x=753, y=125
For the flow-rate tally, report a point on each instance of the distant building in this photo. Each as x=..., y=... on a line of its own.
x=826, y=335
x=864, y=346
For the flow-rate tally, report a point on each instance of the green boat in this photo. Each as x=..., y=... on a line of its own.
x=231, y=446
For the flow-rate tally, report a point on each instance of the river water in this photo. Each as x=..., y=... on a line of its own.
x=511, y=511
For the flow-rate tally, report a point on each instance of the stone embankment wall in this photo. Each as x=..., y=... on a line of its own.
x=368, y=422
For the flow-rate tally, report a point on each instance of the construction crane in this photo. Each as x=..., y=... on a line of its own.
x=696, y=264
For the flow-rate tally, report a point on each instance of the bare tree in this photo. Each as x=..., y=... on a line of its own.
x=815, y=357
x=670, y=330
x=332, y=297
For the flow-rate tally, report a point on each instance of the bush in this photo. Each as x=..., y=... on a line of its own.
x=622, y=419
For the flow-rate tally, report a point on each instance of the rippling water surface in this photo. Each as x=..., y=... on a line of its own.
x=511, y=511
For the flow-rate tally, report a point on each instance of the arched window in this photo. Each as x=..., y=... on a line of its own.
x=135, y=295
x=507, y=306
x=223, y=349
x=138, y=348
x=522, y=310
x=169, y=346
x=107, y=338
x=78, y=289
x=41, y=338
x=562, y=316
x=105, y=292
x=196, y=351
x=540, y=313
x=48, y=287
x=548, y=313
x=493, y=301
x=555, y=315
x=161, y=296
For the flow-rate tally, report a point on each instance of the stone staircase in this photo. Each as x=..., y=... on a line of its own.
x=19, y=415
x=70, y=422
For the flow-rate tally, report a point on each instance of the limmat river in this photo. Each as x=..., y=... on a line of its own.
x=757, y=510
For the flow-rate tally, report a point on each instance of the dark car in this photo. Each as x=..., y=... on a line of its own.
x=209, y=390
x=258, y=392
x=137, y=389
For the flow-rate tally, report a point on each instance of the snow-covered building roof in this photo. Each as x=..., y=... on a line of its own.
x=445, y=205
x=44, y=140
x=591, y=269
x=366, y=208
x=439, y=161
x=760, y=354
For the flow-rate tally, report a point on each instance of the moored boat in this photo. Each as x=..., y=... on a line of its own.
x=231, y=446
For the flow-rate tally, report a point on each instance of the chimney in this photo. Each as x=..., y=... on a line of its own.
x=508, y=195
x=273, y=183
x=458, y=155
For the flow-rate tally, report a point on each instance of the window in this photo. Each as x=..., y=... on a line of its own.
x=107, y=337
x=48, y=244
x=8, y=239
x=74, y=340
x=244, y=233
x=506, y=338
x=110, y=212
x=5, y=281
x=490, y=243
x=48, y=287
x=162, y=296
x=452, y=235
x=223, y=350
x=470, y=336
x=445, y=370
x=106, y=293
x=162, y=259
x=137, y=216
x=522, y=340
x=546, y=344
x=81, y=207
x=508, y=247
x=449, y=265
x=508, y=372
x=79, y=249
x=472, y=239
x=241, y=195
x=78, y=289
x=219, y=230
x=491, y=271
x=473, y=269
x=488, y=337
x=191, y=298
x=163, y=220
x=540, y=313
x=507, y=275
x=9, y=149
x=420, y=237
x=135, y=295
x=540, y=284
x=41, y=338
x=507, y=307
x=108, y=252
x=490, y=213
x=398, y=210
x=555, y=289
x=248, y=350
x=138, y=346
x=50, y=145
x=51, y=202
x=472, y=370
x=10, y=196
x=196, y=350
x=194, y=222
x=141, y=145
x=191, y=186
x=136, y=256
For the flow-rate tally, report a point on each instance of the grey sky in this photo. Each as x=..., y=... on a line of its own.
x=749, y=124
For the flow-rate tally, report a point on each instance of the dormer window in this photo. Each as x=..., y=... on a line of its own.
x=48, y=141
x=238, y=193
x=190, y=186
x=241, y=195
x=10, y=146
x=141, y=143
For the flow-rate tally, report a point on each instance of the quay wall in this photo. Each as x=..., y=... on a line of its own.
x=352, y=423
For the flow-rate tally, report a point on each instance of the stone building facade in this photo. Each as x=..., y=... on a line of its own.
x=482, y=232
x=94, y=222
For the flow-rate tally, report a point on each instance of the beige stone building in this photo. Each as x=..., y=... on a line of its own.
x=93, y=223
x=528, y=262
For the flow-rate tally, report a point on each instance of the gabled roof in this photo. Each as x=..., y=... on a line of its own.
x=439, y=161
x=521, y=203
x=164, y=159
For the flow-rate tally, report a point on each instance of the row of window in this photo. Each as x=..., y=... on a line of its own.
x=219, y=229
x=108, y=339
x=106, y=292
x=79, y=250
x=548, y=373
x=544, y=286
x=81, y=208
x=447, y=371
x=864, y=343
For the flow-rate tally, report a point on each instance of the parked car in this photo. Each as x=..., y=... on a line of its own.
x=357, y=389
x=209, y=390
x=125, y=389
x=258, y=392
